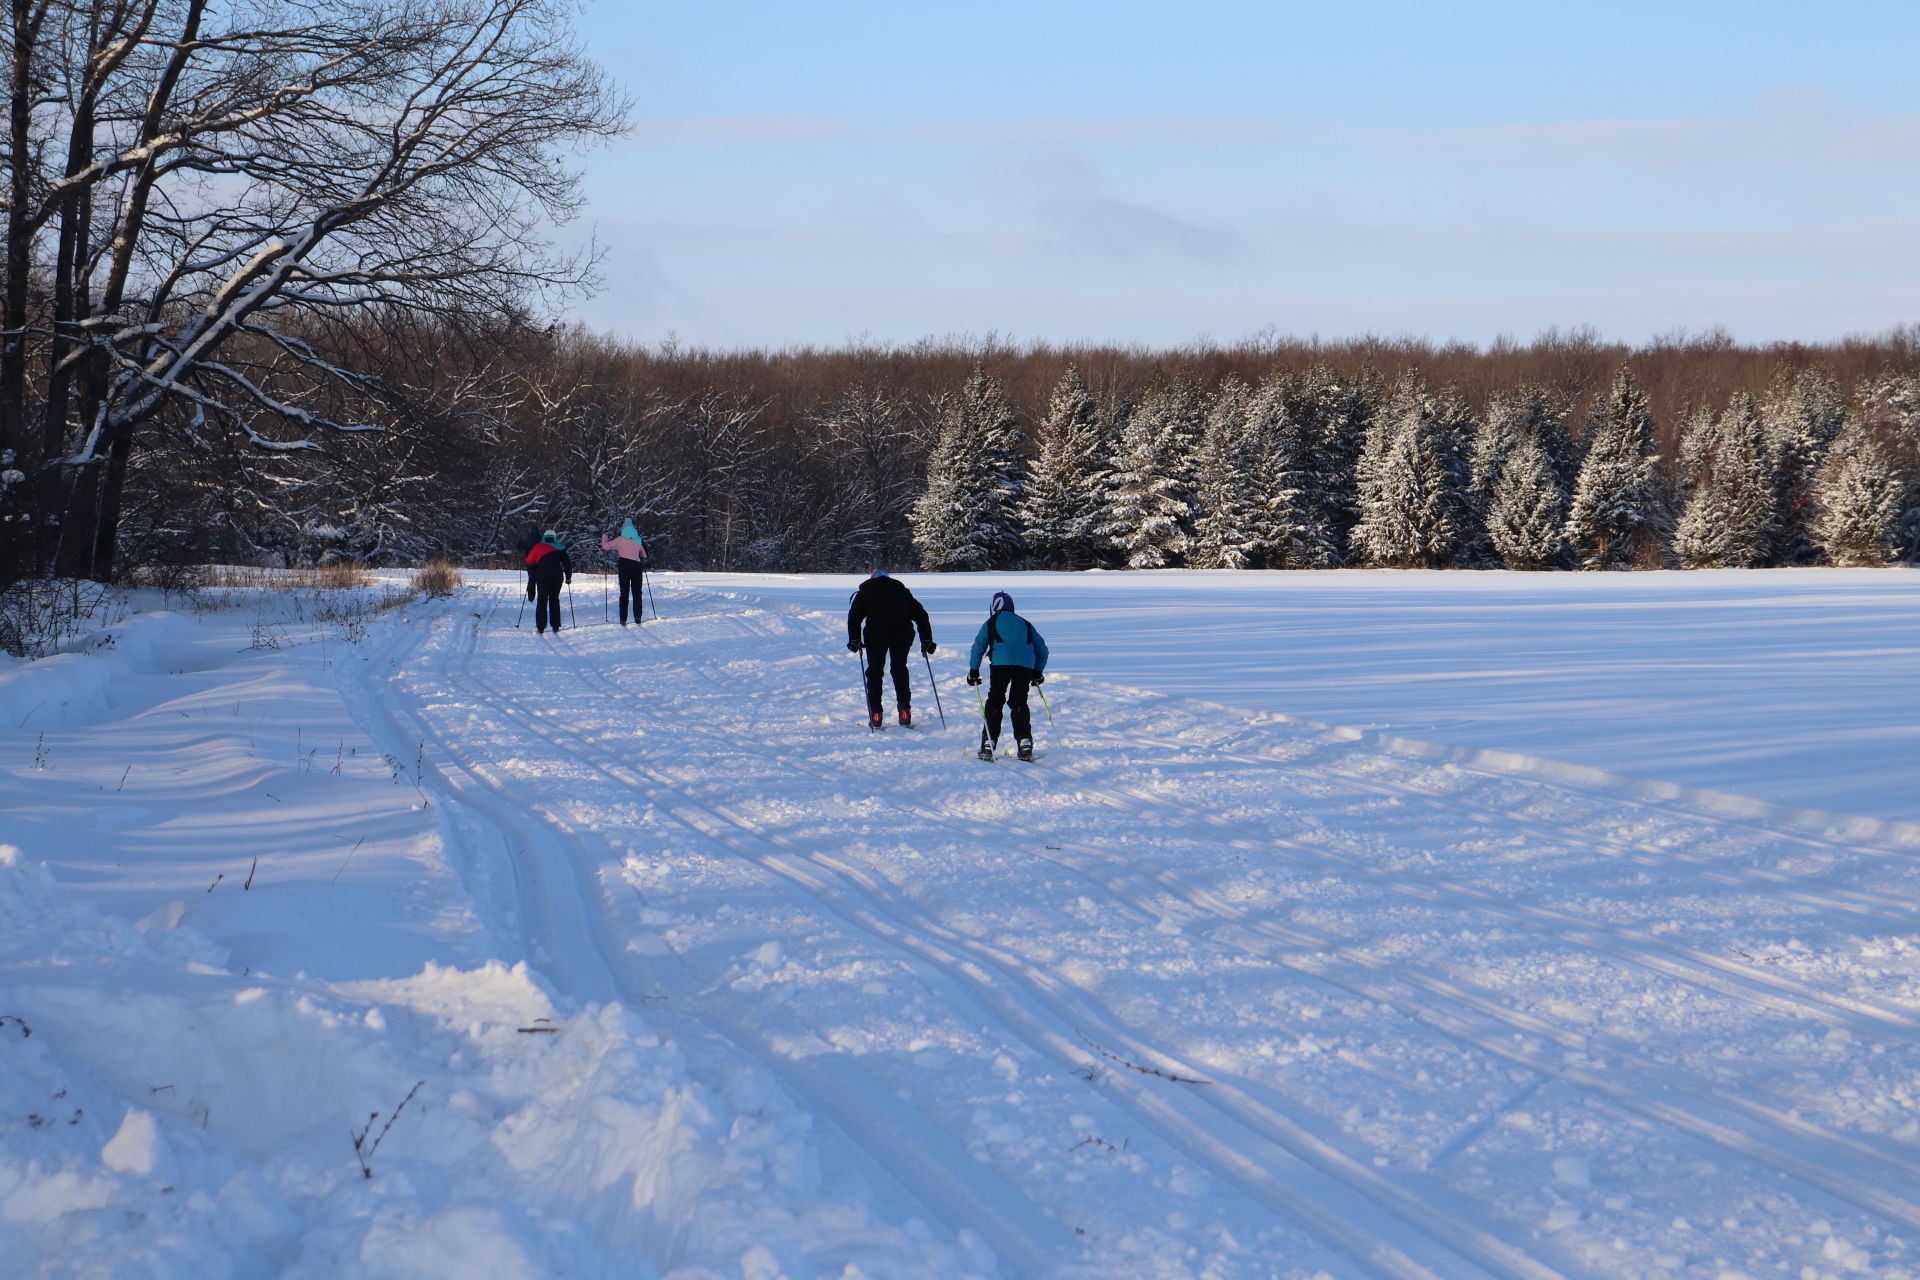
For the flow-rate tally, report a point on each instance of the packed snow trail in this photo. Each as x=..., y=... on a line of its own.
x=1196, y=994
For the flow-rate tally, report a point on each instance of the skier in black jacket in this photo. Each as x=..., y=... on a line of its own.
x=548, y=564
x=890, y=613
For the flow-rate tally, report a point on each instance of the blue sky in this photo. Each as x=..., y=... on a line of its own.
x=824, y=172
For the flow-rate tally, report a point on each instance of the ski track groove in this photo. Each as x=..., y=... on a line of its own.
x=1788, y=1130
x=961, y=966
x=949, y=1184
x=838, y=890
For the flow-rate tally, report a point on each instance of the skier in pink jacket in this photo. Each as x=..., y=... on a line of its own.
x=633, y=563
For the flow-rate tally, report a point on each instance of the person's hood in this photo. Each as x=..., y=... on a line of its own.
x=629, y=532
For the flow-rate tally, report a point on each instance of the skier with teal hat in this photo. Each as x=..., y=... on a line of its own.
x=1019, y=656
x=632, y=564
x=548, y=566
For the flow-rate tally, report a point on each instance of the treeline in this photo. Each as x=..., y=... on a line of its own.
x=1563, y=452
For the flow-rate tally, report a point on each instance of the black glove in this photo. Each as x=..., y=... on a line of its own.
x=853, y=646
x=529, y=591
x=1039, y=677
x=928, y=648
x=973, y=676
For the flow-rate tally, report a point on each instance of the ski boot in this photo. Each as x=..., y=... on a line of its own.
x=906, y=718
x=874, y=722
x=986, y=746
x=1026, y=748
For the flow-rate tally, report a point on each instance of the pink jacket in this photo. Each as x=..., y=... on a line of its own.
x=627, y=547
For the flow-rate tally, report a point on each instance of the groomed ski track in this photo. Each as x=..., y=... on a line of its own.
x=1198, y=993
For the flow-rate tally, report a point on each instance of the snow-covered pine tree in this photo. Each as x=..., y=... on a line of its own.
x=1226, y=522
x=1891, y=406
x=967, y=519
x=1413, y=480
x=1501, y=427
x=1336, y=415
x=1550, y=416
x=1527, y=508
x=1857, y=499
x=1103, y=482
x=1290, y=519
x=1699, y=444
x=1802, y=413
x=1526, y=410
x=1728, y=522
x=1149, y=519
x=1613, y=518
x=1060, y=508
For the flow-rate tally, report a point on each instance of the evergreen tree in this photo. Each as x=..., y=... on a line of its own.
x=1061, y=508
x=1613, y=519
x=1149, y=520
x=1699, y=444
x=1290, y=529
x=1728, y=522
x=1529, y=410
x=1857, y=500
x=1527, y=508
x=1802, y=413
x=1413, y=481
x=1103, y=483
x=1226, y=533
x=1891, y=404
x=1336, y=415
x=968, y=517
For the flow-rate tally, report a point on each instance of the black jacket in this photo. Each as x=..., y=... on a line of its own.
x=551, y=566
x=889, y=611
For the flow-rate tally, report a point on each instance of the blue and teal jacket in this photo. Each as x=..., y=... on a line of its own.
x=1014, y=642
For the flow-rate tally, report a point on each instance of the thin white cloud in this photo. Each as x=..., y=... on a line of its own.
x=1077, y=214
x=717, y=129
x=1805, y=131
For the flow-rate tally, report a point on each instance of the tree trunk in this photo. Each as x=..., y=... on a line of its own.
x=113, y=483
x=13, y=290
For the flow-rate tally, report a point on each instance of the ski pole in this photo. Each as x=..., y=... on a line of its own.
x=570, y=609
x=521, y=614
x=935, y=684
x=861, y=654
x=647, y=579
x=1043, y=702
x=606, y=610
x=981, y=702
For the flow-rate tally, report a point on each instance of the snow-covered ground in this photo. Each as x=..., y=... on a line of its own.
x=1799, y=686
x=1357, y=924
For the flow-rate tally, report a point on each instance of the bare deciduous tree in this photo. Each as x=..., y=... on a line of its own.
x=193, y=185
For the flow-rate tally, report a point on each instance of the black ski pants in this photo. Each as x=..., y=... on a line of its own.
x=632, y=582
x=895, y=652
x=1007, y=687
x=546, y=606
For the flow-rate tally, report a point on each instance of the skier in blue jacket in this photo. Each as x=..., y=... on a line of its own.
x=1019, y=657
